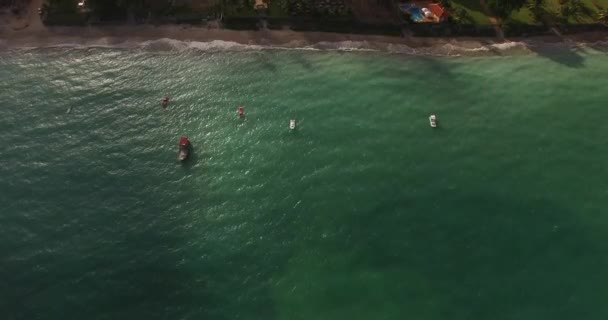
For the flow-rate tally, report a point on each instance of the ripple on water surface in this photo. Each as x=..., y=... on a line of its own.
x=362, y=212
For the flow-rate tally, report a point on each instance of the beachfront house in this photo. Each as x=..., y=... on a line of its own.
x=423, y=11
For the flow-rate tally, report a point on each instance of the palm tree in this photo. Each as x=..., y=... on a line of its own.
x=603, y=16
x=504, y=8
x=570, y=9
x=537, y=7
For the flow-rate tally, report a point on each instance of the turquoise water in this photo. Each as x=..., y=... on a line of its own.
x=363, y=212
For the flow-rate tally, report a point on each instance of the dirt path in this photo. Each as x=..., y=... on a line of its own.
x=493, y=20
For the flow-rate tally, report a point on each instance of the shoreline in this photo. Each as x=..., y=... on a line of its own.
x=128, y=35
x=28, y=31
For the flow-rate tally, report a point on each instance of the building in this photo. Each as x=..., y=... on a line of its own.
x=424, y=11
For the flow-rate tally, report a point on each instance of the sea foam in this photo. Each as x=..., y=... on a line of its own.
x=464, y=48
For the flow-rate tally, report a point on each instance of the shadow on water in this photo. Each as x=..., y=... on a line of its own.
x=105, y=247
x=264, y=59
x=562, y=53
x=470, y=257
x=440, y=75
x=268, y=60
x=303, y=61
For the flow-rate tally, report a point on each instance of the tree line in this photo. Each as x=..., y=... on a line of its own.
x=567, y=8
x=153, y=5
x=112, y=8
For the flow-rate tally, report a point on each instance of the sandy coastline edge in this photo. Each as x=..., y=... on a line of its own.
x=121, y=35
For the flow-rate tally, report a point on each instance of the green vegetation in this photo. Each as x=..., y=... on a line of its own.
x=553, y=12
x=504, y=8
x=515, y=15
x=530, y=12
x=245, y=8
x=239, y=8
x=525, y=15
x=580, y=11
x=278, y=8
x=603, y=16
x=58, y=11
x=63, y=6
x=466, y=11
x=319, y=8
x=62, y=12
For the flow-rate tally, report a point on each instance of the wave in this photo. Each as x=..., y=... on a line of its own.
x=457, y=48
x=346, y=46
x=166, y=44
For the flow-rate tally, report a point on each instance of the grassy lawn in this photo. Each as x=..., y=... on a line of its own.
x=278, y=8
x=474, y=10
x=592, y=7
x=523, y=16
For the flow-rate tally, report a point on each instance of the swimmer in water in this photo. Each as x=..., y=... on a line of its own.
x=241, y=112
x=164, y=102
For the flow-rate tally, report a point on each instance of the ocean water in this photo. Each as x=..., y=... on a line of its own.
x=363, y=212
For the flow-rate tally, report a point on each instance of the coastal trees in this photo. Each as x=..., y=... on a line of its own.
x=603, y=16
x=503, y=8
x=461, y=16
x=570, y=9
x=14, y=4
x=108, y=10
x=62, y=5
x=119, y=9
x=537, y=7
x=157, y=6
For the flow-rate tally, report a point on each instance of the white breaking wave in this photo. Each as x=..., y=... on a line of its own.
x=166, y=44
x=220, y=45
x=446, y=49
x=349, y=46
